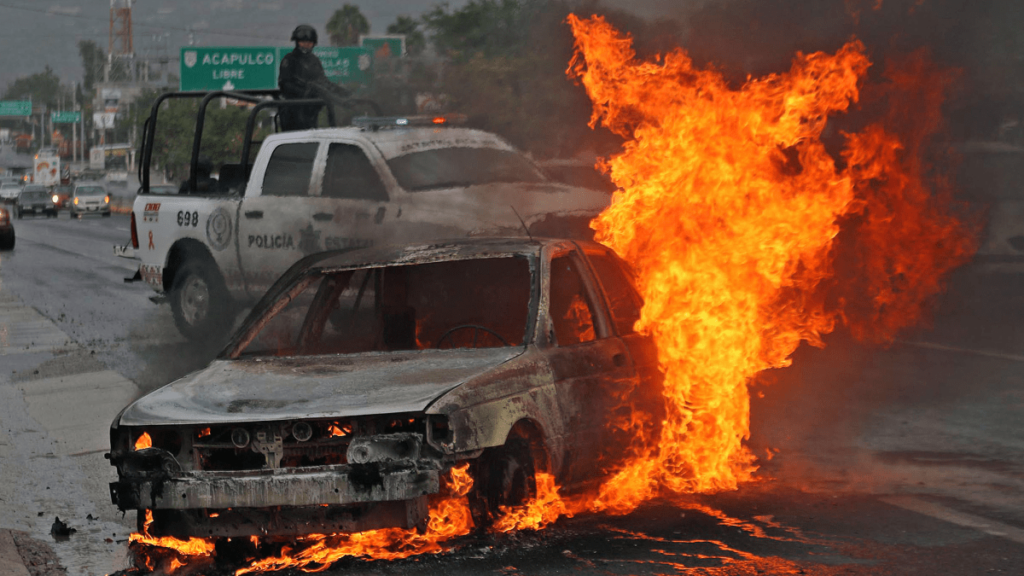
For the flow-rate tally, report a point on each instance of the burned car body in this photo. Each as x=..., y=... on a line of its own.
x=362, y=377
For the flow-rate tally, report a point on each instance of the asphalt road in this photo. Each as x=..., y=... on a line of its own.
x=903, y=460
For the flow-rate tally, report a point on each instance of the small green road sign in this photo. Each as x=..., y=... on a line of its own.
x=15, y=107
x=385, y=46
x=210, y=68
x=65, y=117
x=344, y=65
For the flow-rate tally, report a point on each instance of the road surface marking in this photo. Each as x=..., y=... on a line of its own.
x=944, y=348
x=990, y=527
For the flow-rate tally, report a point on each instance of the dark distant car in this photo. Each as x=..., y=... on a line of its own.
x=35, y=199
x=6, y=230
x=361, y=378
x=89, y=198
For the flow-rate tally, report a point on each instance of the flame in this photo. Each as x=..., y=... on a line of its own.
x=337, y=430
x=191, y=547
x=539, y=512
x=578, y=317
x=143, y=441
x=449, y=518
x=729, y=208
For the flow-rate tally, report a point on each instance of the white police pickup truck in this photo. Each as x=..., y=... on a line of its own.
x=381, y=181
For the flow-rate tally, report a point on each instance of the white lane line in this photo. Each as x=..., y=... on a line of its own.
x=121, y=229
x=944, y=348
x=990, y=527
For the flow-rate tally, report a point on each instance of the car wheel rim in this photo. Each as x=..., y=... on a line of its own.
x=195, y=300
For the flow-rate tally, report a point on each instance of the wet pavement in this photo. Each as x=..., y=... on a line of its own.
x=905, y=460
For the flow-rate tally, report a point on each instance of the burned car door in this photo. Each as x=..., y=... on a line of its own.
x=591, y=366
x=640, y=409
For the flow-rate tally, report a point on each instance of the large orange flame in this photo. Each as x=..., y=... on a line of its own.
x=729, y=207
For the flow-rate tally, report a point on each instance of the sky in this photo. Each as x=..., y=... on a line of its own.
x=39, y=33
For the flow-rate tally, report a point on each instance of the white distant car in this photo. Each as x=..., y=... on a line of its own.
x=9, y=192
x=90, y=198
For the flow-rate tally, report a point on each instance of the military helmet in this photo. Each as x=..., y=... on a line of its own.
x=304, y=33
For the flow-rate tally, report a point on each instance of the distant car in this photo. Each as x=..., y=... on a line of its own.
x=34, y=200
x=6, y=230
x=9, y=192
x=89, y=198
x=62, y=194
x=362, y=377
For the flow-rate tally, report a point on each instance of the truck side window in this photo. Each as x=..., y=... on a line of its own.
x=349, y=174
x=625, y=303
x=289, y=170
x=572, y=313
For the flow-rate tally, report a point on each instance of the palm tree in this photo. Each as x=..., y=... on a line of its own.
x=346, y=25
x=414, y=40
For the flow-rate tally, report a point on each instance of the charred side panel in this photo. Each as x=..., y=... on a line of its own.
x=483, y=411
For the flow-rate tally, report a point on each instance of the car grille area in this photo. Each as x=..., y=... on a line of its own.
x=286, y=445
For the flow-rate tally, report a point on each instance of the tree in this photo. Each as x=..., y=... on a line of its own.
x=415, y=42
x=42, y=87
x=481, y=27
x=507, y=70
x=93, y=60
x=346, y=25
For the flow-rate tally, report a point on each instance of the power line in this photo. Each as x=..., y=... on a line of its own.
x=137, y=25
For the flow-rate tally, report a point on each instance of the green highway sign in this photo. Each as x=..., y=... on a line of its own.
x=65, y=117
x=211, y=68
x=15, y=107
x=343, y=65
x=389, y=46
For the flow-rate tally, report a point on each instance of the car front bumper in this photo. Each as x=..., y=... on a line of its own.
x=340, y=484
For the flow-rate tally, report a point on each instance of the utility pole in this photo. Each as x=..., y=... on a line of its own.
x=74, y=126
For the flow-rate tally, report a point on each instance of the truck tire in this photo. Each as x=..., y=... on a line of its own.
x=7, y=243
x=200, y=302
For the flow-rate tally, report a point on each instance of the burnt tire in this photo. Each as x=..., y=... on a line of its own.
x=200, y=302
x=506, y=476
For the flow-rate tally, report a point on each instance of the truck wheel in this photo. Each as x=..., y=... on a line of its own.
x=200, y=302
x=7, y=243
x=505, y=477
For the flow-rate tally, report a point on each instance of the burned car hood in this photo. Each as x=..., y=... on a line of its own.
x=267, y=389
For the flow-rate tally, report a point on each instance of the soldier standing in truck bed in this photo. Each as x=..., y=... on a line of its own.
x=302, y=76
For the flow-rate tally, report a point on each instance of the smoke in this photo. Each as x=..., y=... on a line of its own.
x=982, y=39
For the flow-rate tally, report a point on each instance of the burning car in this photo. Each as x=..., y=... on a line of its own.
x=362, y=377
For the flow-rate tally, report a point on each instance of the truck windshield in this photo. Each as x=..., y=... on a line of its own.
x=461, y=167
x=481, y=303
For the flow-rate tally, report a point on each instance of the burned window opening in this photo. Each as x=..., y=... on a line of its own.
x=475, y=303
